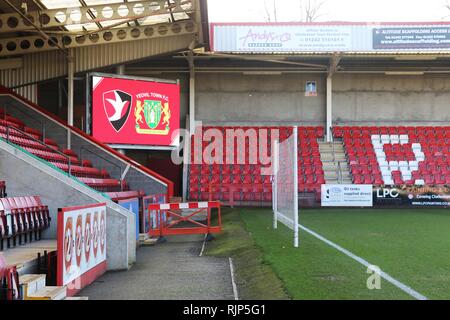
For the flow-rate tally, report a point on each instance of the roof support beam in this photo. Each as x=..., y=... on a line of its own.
x=13, y=46
x=250, y=58
x=91, y=14
x=27, y=20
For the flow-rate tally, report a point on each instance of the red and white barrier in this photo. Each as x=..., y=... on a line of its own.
x=81, y=246
x=170, y=215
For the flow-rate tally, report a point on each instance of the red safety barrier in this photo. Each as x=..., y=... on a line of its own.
x=9, y=283
x=178, y=218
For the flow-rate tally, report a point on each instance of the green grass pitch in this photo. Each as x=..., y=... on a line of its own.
x=412, y=246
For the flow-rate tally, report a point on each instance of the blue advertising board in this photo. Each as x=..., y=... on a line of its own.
x=150, y=217
x=132, y=204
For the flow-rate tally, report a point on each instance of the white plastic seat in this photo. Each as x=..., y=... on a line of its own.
x=377, y=145
x=413, y=165
x=394, y=138
x=419, y=182
x=404, y=138
x=383, y=163
x=380, y=154
x=420, y=156
x=385, y=139
x=403, y=164
x=416, y=146
x=393, y=165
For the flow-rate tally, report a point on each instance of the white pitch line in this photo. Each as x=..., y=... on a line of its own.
x=384, y=275
x=233, y=282
x=203, y=246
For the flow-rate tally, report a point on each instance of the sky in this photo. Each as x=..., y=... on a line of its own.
x=333, y=10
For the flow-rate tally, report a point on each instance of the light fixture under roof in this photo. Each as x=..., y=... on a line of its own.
x=404, y=73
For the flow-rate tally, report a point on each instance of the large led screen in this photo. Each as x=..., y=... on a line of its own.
x=134, y=111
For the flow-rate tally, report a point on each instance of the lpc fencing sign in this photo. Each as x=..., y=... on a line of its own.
x=412, y=196
x=347, y=195
x=81, y=246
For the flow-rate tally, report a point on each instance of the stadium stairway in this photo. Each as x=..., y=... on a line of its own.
x=334, y=162
x=36, y=156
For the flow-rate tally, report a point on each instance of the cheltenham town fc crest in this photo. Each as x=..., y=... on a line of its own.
x=117, y=106
x=152, y=117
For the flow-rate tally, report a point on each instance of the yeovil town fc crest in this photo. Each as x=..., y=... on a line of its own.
x=152, y=117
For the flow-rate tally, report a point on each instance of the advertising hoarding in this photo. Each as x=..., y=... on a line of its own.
x=330, y=37
x=346, y=195
x=412, y=196
x=81, y=242
x=132, y=204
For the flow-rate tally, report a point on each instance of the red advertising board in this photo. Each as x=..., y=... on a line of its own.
x=81, y=242
x=135, y=111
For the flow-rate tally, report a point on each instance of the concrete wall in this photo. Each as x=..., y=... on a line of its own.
x=382, y=99
x=27, y=175
x=265, y=99
x=357, y=99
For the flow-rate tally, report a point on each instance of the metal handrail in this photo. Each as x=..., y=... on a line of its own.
x=101, y=157
x=334, y=155
x=8, y=128
x=339, y=172
x=42, y=124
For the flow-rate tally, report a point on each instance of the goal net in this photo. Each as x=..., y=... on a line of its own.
x=285, y=183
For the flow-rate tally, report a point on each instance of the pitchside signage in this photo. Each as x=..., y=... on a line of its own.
x=132, y=204
x=329, y=37
x=411, y=38
x=412, y=196
x=135, y=112
x=81, y=241
x=346, y=195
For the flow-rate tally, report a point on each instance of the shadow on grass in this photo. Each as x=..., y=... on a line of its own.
x=255, y=279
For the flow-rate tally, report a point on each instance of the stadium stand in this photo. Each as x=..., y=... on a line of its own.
x=397, y=155
x=15, y=131
x=244, y=183
x=21, y=218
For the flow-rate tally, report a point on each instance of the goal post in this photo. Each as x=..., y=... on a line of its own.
x=285, y=183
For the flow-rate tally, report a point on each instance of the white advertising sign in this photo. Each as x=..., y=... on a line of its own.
x=293, y=38
x=81, y=241
x=347, y=195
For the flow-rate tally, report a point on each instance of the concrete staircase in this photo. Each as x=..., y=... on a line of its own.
x=335, y=165
x=34, y=288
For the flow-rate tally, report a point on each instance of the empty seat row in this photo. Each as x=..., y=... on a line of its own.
x=310, y=167
x=121, y=195
x=105, y=185
x=21, y=218
x=48, y=150
x=2, y=189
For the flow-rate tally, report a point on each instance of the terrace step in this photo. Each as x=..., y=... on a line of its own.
x=49, y=293
x=31, y=283
x=334, y=162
